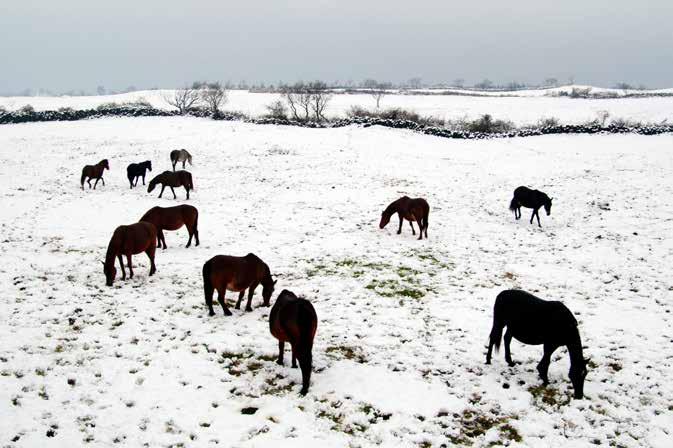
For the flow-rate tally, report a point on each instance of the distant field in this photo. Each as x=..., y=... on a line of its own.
x=527, y=107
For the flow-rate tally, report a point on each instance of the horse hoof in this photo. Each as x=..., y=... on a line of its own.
x=488, y=362
x=303, y=391
x=248, y=310
x=511, y=364
x=211, y=314
x=227, y=313
x=279, y=362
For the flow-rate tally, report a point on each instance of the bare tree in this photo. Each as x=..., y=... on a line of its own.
x=276, y=110
x=415, y=83
x=319, y=96
x=551, y=82
x=214, y=95
x=182, y=99
x=485, y=84
x=459, y=82
x=298, y=99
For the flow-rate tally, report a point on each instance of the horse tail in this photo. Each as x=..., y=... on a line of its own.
x=83, y=177
x=427, y=215
x=208, y=284
x=191, y=182
x=129, y=175
x=498, y=325
x=513, y=204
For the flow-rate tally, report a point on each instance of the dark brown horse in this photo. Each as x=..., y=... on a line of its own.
x=525, y=197
x=410, y=209
x=172, y=218
x=129, y=240
x=180, y=155
x=534, y=321
x=294, y=320
x=224, y=272
x=172, y=179
x=94, y=172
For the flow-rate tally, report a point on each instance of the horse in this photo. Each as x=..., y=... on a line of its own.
x=525, y=197
x=129, y=240
x=294, y=320
x=180, y=155
x=172, y=179
x=94, y=172
x=410, y=209
x=224, y=272
x=136, y=170
x=172, y=218
x=534, y=321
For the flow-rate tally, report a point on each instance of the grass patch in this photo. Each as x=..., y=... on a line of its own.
x=346, y=352
x=549, y=396
x=474, y=424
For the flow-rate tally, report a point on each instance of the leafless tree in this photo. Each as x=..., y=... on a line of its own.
x=276, y=110
x=415, y=83
x=459, y=83
x=377, y=89
x=214, y=95
x=182, y=99
x=319, y=96
x=298, y=100
x=551, y=82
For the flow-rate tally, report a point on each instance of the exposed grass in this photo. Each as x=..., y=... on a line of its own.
x=474, y=424
x=346, y=352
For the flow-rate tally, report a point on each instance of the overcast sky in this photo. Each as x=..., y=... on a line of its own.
x=80, y=44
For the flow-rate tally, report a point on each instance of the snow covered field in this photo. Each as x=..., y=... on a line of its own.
x=400, y=349
x=526, y=108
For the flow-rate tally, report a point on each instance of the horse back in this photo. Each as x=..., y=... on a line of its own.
x=293, y=319
x=234, y=273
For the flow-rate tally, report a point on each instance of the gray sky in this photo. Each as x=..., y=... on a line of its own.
x=80, y=44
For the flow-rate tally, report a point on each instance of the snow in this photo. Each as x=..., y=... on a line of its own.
x=522, y=108
x=400, y=349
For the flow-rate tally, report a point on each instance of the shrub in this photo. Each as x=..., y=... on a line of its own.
x=487, y=125
x=546, y=122
x=3, y=110
x=27, y=109
x=276, y=110
x=66, y=110
x=576, y=92
x=107, y=106
x=395, y=113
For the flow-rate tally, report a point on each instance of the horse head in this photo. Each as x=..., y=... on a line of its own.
x=577, y=375
x=547, y=206
x=385, y=218
x=149, y=165
x=105, y=164
x=110, y=274
x=267, y=291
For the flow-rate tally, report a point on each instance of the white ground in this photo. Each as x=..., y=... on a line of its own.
x=400, y=348
x=526, y=108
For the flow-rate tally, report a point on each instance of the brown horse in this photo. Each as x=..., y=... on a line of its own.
x=172, y=179
x=172, y=218
x=410, y=209
x=224, y=272
x=94, y=172
x=129, y=240
x=294, y=320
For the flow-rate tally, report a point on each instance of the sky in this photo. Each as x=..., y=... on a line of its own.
x=81, y=44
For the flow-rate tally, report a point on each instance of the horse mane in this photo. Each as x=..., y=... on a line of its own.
x=111, y=252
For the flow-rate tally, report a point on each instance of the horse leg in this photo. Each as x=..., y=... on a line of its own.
x=240, y=298
x=187, y=189
x=508, y=355
x=150, y=254
x=537, y=214
x=102, y=180
x=162, y=190
x=281, y=352
x=517, y=216
x=128, y=261
x=162, y=238
x=174, y=162
x=294, y=356
x=95, y=183
x=543, y=366
x=400, y=229
x=143, y=179
x=251, y=292
x=121, y=263
x=174, y=196
x=411, y=223
x=532, y=216
x=420, y=228
x=88, y=181
x=220, y=298
x=136, y=184
x=183, y=164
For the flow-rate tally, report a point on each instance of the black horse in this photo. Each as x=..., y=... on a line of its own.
x=535, y=321
x=525, y=197
x=136, y=170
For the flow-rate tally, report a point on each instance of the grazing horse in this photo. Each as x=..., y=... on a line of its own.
x=172, y=179
x=129, y=240
x=172, y=218
x=136, y=170
x=525, y=197
x=410, y=209
x=94, y=172
x=534, y=321
x=294, y=320
x=180, y=155
x=224, y=272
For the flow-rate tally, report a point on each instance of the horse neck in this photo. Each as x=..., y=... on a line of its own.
x=575, y=347
x=391, y=209
x=111, y=252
